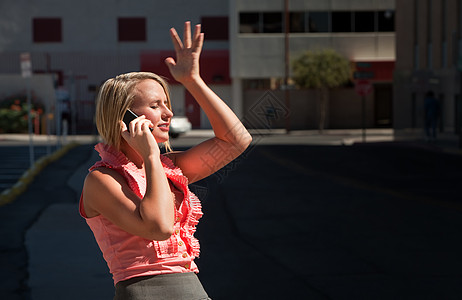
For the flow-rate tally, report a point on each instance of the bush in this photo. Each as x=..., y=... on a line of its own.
x=14, y=114
x=321, y=69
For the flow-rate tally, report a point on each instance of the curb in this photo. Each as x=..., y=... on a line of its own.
x=9, y=195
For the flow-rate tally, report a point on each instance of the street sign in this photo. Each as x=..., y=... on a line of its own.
x=363, y=87
x=26, y=65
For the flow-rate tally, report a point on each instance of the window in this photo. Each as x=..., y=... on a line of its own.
x=272, y=22
x=215, y=28
x=386, y=21
x=318, y=21
x=341, y=21
x=297, y=22
x=132, y=29
x=254, y=22
x=47, y=30
x=256, y=84
x=249, y=22
x=364, y=21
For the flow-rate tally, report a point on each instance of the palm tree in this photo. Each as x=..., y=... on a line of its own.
x=322, y=70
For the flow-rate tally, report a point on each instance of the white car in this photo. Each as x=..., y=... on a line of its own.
x=179, y=125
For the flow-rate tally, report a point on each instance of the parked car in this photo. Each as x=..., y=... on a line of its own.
x=179, y=125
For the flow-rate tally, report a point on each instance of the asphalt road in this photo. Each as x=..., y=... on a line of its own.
x=50, y=187
x=375, y=221
x=367, y=221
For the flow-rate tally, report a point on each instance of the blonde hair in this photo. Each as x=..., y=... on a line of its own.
x=115, y=97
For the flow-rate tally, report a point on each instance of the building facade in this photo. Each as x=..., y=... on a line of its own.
x=360, y=30
x=428, y=58
x=85, y=42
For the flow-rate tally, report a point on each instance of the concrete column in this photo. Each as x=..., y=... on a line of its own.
x=236, y=94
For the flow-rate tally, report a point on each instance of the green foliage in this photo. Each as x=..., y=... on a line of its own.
x=12, y=121
x=323, y=69
x=14, y=114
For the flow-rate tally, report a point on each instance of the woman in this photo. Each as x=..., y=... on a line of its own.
x=135, y=200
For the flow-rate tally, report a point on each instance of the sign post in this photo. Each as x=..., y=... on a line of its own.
x=459, y=113
x=26, y=72
x=363, y=88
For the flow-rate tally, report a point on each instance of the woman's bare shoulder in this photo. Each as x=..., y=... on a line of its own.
x=100, y=184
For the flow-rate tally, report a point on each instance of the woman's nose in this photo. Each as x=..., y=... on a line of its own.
x=168, y=113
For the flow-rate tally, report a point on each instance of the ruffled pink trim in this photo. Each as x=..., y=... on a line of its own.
x=113, y=159
x=167, y=248
x=116, y=160
x=191, y=200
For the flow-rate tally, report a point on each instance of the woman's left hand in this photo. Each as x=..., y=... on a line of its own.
x=186, y=66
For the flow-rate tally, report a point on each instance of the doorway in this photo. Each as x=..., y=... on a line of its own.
x=383, y=105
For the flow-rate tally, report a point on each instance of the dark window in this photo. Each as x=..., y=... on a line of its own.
x=215, y=28
x=318, y=21
x=341, y=21
x=272, y=22
x=252, y=84
x=364, y=21
x=132, y=29
x=386, y=20
x=47, y=30
x=249, y=22
x=297, y=22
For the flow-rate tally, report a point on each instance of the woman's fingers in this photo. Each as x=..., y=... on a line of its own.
x=170, y=62
x=187, y=42
x=136, y=126
x=177, y=44
x=197, y=32
x=198, y=38
x=185, y=65
x=187, y=35
x=124, y=129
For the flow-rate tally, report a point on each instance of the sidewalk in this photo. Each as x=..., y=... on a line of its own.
x=446, y=141
x=86, y=275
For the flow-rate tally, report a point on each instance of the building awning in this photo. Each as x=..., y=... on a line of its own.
x=374, y=70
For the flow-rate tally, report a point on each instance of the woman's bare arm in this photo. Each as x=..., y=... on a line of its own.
x=231, y=137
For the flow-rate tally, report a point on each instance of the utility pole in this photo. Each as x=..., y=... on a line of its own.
x=286, y=62
x=26, y=72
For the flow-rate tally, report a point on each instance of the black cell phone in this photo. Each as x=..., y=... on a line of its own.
x=130, y=116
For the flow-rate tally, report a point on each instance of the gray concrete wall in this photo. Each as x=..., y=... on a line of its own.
x=41, y=86
x=92, y=25
x=344, y=109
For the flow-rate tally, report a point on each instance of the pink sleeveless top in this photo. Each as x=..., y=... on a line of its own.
x=130, y=256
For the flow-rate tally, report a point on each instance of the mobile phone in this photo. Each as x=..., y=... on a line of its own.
x=130, y=116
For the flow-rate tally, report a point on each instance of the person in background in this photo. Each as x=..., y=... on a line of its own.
x=431, y=116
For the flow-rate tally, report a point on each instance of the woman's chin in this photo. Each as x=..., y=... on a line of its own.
x=162, y=138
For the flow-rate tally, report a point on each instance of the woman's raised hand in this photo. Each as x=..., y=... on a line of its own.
x=186, y=66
